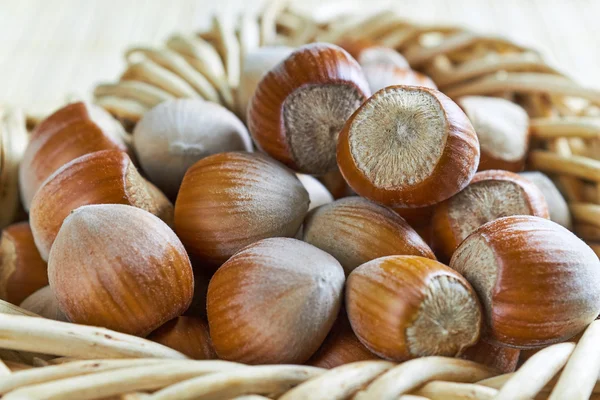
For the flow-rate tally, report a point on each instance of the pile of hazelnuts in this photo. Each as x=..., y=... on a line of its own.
x=338, y=226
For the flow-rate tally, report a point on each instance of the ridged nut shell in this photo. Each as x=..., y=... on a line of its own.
x=491, y=194
x=274, y=302
x=539, y=283
x=300, y=106
x=119, y=267
x=103, y=177
x=403, y=307
x=230, y=200
x=22, y=270
x=188, y=335
x=408, y=146
x=70, y=132
x=355, y=230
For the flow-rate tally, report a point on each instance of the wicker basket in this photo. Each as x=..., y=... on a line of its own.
x=565, y=128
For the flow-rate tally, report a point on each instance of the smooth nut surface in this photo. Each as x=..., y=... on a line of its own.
x=230, y=200
x=402, y=307
x=103, y=177
x=317, y=192
x=300, y=106
x=381, y=76
x=119, y=267
x=503, y=359
x=491, y=194
x=539, y=284
x=503, y=131
x=355, y=230
x=274, y=302
x=340, y=347
x=188, y=335
x=22, y=269
x=72, y=131
x=254, y=65
x=557, y=205
x=43, y=302
x=408, y=146
x=175, y=134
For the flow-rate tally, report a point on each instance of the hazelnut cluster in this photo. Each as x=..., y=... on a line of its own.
x=358, y=228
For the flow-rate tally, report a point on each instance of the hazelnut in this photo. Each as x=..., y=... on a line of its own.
x=539, y=283
x=557, y=205
x=254, y=65
x=22, y=270
x=381, y=76
x=274, y=302
x=119, y=267
x=416, y=217
x=300, y=106
x=491, y=194
x=503, y=359
x=202, y=277
x=103, y=177
x=335, y=183
x=408, y=146
x=402, y=307
x=175, y=134
x=503, y=131
x=188, y=335
x=230, y=200
x=355, y=230
x=70, y=132
x=43, y=302
x=317, y=192
x=368, y=53
x=340, y=347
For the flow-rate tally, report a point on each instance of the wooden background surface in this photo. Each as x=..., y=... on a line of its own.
x=54, y=49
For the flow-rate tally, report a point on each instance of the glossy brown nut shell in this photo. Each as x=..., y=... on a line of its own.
x=388, y=155
x=539, y=284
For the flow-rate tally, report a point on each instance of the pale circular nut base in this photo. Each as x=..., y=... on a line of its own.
x=491, y=194
x=408, y=146
x=402, y=307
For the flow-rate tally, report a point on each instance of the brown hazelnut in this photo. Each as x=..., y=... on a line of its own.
x=103, y=177
x=70, y=132
x=22, y=270
x=539, y=283
x=119, y=267
x=336, y=184
x=175, y=134
x=300, y=106
x=491, y=194
x=402, y=307
x=503, y=131
x=368, y=53
x=254, y=65
x=188, y=335
x=340, y=347
x=503, y=359
x=408, y=146
x=381, y=76
x=355, y=230
x=230, y=200
x=43, y=303
x=317, y=192
x=274, y=302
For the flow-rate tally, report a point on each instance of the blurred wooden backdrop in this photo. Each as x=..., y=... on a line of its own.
x=54, y=49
